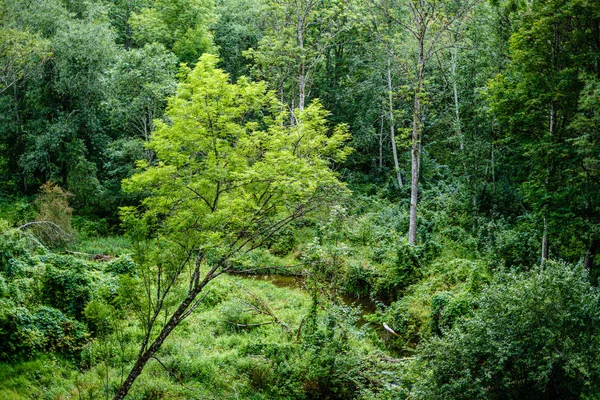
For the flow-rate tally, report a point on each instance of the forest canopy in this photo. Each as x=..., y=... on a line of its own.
x=364, y=199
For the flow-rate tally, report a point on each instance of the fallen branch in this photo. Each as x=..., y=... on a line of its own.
x=250, y=325
x=95, y=257
x=390, y=330
x=263, y=309
x=28, y=224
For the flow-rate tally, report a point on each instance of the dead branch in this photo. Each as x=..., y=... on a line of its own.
x=262, y=309
x=250, y=325
x=32, y=223
x=390, y=330
x=94, y=257
x=47, y=231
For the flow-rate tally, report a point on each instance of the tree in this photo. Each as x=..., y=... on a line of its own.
x=229, y=174
x=58, y=130
x=18, y=53
x=424, y=24
x=544, y=102
x=182, y=26
x=141, y=81
x=238, y=29
x=296, y=39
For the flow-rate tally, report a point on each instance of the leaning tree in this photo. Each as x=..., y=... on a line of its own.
x=229, y=173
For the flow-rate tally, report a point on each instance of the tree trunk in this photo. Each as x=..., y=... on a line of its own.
x=416, y=144
x=381, y=142
x=18, y=129
x=144, y=356
x=301, y=74
x=545, y=242
x=392, y=132
x=493, y=163
x=456, y=103
x=301, y=88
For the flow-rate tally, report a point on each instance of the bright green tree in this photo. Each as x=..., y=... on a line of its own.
x=229, y=174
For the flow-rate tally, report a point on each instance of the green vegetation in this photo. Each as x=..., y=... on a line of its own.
x=252, y=199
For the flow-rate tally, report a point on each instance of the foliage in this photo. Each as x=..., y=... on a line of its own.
x=501, y=113
x=233, y=160
x=53, y=220
x=65, y=285
x=531, y=335
x=27, y=325
x=180, y=25
x=25, y=333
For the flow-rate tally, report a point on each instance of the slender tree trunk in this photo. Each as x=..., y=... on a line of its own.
x=493, y=161
x=18, y=129
x=392, y=129
x=381, y=142
x=301, y=88
x=545, y=242
x=301, y=75
x=146, y=353
x=456, y=103
x=416, y=144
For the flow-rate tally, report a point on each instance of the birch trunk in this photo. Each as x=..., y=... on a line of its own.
x=301, y=74
x=416, y=143
x=392, y=129
x=456, y=103
x=545, y=242
x=381, y=142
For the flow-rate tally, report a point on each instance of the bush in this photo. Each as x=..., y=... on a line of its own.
x=121, y=265
x=446, y=309
x=532, y=335
x=66, y=285
x=405, y=271
x=54, y=215
x=15, y=252
x=24, y=333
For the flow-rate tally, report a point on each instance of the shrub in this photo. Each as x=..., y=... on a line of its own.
x=66, y=285
x=404, y=271
x=24, y=333
x=15, y=253
x=446, y=309
x=532, y=335
x=54, y=215
x=121, y=265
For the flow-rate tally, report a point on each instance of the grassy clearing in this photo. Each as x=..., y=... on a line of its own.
x=109, y=245
x=222, y=351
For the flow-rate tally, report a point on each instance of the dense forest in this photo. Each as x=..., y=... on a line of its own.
x=299, y=199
